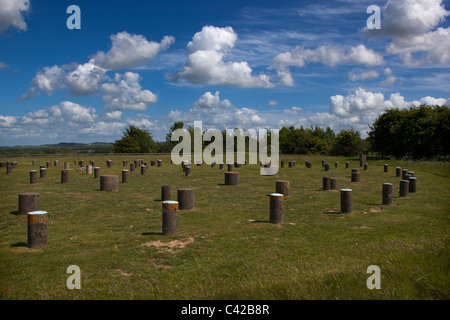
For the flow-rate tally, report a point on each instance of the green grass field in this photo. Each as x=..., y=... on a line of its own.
x=226, y=248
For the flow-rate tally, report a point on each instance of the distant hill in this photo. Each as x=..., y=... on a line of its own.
x=62, y=147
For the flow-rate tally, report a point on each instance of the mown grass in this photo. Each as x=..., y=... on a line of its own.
x=225, y=248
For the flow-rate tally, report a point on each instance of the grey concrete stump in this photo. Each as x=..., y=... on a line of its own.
x=66, y=165
x=229, y=167
x=220, y=165
x=213, y=164
x=143, y=170
x=28, y=201
x=237, y=164
x=404, y=188
x=333, y=183
x=346, y=201
x=169, y=217
x=327, y=167
x=366, y=166
x=398, y=171
x=355, y=176
x=81, y=163
x=412, y=184
x=33, y=162
x=153, y=163
x=323, y=163
x=386, y=167
x=387, y=193
x=166, y=193
x=109, y=183
x=411, y=173
x=231, y=178
x=97, y=172
x=347, y=165
x=276, y=208
x=159, y=162
x=281, y=164
x=42, y=172
x=49, y=164
x=291, y=164
x=404, y=172
x=110, y=163
x=187, y=171
x=33, y=176
x=186, y=198
x=37, y=229
x=326, y=183
x=283, y=187
x=93, y=164
x=125, y=174
x=64, y=176
x=89, y=169
x=132, y=167
x=336, y=164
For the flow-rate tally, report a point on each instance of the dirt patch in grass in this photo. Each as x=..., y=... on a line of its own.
x=125, y=274
x=172, y=246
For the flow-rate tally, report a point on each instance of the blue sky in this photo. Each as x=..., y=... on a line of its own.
x=249, y=64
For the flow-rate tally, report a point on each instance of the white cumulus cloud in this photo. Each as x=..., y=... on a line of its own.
x=125, y=93
x=329, y=55
x=219, y=113
x=205, y=63
x=130, y=50
x=12, y=14
x=413, y=28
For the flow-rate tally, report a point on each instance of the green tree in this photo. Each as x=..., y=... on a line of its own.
x=417, y=132
x=126, y=145
x=135, y=140
x=348, y=143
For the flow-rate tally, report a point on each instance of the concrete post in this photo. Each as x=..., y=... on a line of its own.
x=276, y=208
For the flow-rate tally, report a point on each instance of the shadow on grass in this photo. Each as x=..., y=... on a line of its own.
x=331, y=212
x=15, y=213
x=151, y=234
x=260, y=221
x=19, y=244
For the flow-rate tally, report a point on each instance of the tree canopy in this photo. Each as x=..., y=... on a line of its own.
x=135, y=140
x=416, y=132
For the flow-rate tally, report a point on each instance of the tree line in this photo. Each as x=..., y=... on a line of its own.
x=415, y=132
